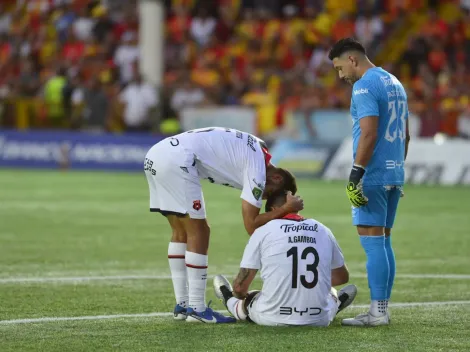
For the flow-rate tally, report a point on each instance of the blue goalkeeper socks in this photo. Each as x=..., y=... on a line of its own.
x=391, y=264
x=377, y=266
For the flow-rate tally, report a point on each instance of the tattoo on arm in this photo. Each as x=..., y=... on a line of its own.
x=239, y=291
x=242, y=276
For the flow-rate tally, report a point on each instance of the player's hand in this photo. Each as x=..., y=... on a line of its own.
x=354, y=187
x=402, y=192
x=293, y=203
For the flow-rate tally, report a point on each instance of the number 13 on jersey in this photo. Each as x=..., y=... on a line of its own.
x=312, y=266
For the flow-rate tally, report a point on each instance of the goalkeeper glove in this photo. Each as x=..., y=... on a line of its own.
x=354, y=187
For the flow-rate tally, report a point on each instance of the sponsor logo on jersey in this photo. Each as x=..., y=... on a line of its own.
x=197, y=205
x=251, y=143
x=361, y=91
x=299, y=227
x=257, y=193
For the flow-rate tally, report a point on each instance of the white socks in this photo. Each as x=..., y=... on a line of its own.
x=179, y=276
x=196, y=265
x=235, y=307
x=378, y=308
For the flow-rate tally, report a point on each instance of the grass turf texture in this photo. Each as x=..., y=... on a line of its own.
x=79, y=224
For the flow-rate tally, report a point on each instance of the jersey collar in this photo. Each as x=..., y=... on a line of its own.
x=267, y=156
x=295, y=217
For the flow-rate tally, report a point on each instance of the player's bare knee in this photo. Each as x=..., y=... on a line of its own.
x=388, y=232
x=179, y=236
x=201, y=227
x=198, y=232
x=366, y=230
x=178, y=231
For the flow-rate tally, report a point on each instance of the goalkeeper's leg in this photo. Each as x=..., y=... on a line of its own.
x=370, y=221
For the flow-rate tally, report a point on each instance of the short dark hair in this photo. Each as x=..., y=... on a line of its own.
x=289, y=181
x=344, y=45
x=278, y=198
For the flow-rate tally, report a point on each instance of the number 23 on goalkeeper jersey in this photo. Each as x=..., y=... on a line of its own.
x=379, y=93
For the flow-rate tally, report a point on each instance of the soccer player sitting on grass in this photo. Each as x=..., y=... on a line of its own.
x=300, y=261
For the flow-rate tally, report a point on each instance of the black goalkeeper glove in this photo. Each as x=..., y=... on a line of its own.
x=354, y=187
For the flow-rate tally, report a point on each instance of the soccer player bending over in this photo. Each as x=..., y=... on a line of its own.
x=300, y=261
x=223, y=156
x=379, y=110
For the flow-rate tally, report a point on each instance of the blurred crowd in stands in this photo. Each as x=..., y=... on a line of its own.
x=75, y=63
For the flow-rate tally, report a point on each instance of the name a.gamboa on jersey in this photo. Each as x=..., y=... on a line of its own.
x=427, y=162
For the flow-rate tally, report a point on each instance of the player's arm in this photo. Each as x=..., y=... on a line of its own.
x=367, y=107
x=339, y=276
x=252, y=218
x=250, y=264
x=408, y=137
x=242, y=282
x=339, y=271
x=369, y=130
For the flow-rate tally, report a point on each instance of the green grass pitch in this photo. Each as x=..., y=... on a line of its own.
x=94, y=232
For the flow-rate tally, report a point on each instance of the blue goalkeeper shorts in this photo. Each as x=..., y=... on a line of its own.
x=381, y=208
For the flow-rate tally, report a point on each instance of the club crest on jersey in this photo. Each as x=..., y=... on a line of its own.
x=197, y=205
x=257, y=193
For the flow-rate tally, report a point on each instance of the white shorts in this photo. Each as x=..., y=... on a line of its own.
x=261, y=319
x=173, y=180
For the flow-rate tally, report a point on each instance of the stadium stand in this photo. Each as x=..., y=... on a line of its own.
x=73, y=63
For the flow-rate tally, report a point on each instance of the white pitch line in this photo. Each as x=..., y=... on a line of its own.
x=424, y=276
x=78, y=279
x=89, y=317
x=73, y=279
x=167, y=314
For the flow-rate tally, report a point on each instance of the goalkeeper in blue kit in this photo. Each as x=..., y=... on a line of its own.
x=379, y=111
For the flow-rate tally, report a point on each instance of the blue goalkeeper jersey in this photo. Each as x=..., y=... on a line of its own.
x=379, y=93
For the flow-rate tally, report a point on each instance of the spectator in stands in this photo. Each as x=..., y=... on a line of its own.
x=65, y=18
x=103, y=24
x=187, y=95
x=92, y=106
x=202, y=27
x=369, y=29
x=415, y=53
x=28, y=82
x=138, y=99
x=54, y=99
x=126, y=56
x=83, y=25
x=5, y=19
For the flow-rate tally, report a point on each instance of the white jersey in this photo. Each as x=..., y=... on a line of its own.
x=230, y=158
x=296, y=257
